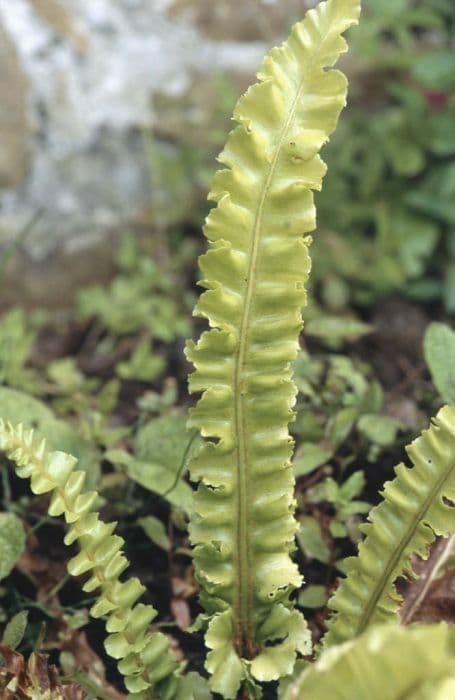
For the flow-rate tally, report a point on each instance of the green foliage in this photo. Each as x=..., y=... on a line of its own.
x=313, y=596
x=155, y=530
x=143, y=365
x=15, y=630
x=339, y=401
x=333, y=329
x=343, y=499
x=401, y=23
x=143, y=657
x=414, y=511
x=163, y=448
x=439, y=350
x=311, y=541
x=141, y=297
x=387, y=206
x=385, y=663
x=17, y=406
x=12, y=542
x=17, y=336
x=255, y=272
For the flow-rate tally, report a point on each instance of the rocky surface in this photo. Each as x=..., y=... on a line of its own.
x=14, y=131
x=252, y=20
x=78, y=86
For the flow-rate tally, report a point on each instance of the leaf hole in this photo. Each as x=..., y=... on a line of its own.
x=275, y=642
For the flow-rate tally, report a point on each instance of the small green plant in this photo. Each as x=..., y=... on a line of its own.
x=386, y=212
x=140, y=298
x=17, y=335
x=242, y=523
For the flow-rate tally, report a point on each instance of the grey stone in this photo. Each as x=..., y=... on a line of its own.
x=93, y=69
x=242, y=21
x=13, y=119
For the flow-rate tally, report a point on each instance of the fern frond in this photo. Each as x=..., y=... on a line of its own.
x=144, y=657
x=384, y=663
x=416, y=508
x=255, y=272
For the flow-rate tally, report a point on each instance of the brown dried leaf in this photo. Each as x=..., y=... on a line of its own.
x=18, y=680
x=431, y=597
x=88, y=661
x=181, y=613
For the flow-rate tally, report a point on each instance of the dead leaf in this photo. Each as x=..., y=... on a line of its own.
x=431, y=597
x=20, y=680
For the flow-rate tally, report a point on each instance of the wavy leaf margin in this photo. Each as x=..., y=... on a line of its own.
x=145, y=660
x=417, y=506
x=386, y=662
x=255, y=273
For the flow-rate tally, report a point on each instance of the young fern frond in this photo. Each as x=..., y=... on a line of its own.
x=255, y=272
x=417, y=506
x=384, y=663
x=144, y=657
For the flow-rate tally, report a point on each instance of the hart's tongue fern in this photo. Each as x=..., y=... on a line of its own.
x=144, y=657
x=255, y=273
x=417, y=506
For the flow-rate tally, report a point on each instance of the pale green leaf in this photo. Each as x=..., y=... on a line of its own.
x=12, y=542
x=193, y=687
x=311, y=540
x=417, y=507
x=164, y=440
x=439, y=350
x=155, y=477
x=336, y=328
x=381, y=430
x=313, y=596
x=387, y=662
x=435, y=69
x=15, y=630
x=353, y=486
x=155, y=530
x=310, y=456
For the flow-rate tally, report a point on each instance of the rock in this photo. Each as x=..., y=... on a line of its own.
x=240, y=21
x=64, y=23
x=14, y=132
x=81, y=83
x=93, y=70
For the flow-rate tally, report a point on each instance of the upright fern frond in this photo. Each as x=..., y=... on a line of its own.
x=418, y=505
x=144, y=657
x=255, y=272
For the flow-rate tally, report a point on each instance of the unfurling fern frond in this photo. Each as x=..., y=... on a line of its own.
x=418, y=505
x=255, y=272
x=144, y=657
x=384, y=663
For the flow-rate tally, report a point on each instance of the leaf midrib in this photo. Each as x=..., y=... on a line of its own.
x=244, y=601
x=384, y=580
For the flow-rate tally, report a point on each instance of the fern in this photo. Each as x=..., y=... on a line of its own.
x=384, y=663
x=144, y=657
x=415, y=509
x=255, y=273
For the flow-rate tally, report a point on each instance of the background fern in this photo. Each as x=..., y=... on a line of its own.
x=417, y=506
x=385, y=663
x=144, y=657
